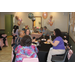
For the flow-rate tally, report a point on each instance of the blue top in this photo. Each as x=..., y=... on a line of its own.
x=61, y=43
x=41, y=31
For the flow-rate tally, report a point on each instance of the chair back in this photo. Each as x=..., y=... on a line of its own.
x=42, y=55
x=30, y=60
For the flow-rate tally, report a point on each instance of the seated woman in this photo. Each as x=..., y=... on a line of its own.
x=41, y=30
x=17, y=42
x=58, y=45
x=15, y=33
x=26, y=27
x=25, y=49
x=27, y=32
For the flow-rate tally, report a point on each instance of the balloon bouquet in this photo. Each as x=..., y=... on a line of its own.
x=31, y=16
x=19, y=20
x=50, y=21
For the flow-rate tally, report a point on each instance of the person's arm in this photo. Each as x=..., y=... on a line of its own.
x=45, y=32
x=12, y=31
x=55, y=43
x=16, y=49
x=36, y=49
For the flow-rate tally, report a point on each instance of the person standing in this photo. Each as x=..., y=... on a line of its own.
x=15, y=33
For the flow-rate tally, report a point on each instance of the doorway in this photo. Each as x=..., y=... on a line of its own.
x=37, y=22
x=8, y=24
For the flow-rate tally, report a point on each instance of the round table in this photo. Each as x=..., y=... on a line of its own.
x=44, y=47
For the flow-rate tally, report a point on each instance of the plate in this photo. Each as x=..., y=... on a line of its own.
x=46, y=43
x=43, y=39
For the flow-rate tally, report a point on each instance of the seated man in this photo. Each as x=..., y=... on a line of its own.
x=46, y=32
x=18, y=40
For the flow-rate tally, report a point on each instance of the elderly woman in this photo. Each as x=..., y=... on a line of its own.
x=58, y=45
x=25, y=50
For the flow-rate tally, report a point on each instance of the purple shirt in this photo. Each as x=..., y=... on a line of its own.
x=61, y=43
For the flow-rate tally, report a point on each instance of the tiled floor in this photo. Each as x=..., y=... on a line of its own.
x=6, y=52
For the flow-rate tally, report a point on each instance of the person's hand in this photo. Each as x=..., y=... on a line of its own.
x=33, y=40
x=49, y=40
x=65, y=41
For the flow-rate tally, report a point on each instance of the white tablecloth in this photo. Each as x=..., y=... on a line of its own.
x=36, y=35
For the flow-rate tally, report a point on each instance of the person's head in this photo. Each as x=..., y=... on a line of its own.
x=27, y=32
x=57, y=32
x=14, y=27
x=41, y=28
x=17, y=27
x=21, y=33
x=45, y=27
x=26, y=41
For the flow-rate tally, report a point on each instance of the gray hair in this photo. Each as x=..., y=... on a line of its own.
x=20, y=32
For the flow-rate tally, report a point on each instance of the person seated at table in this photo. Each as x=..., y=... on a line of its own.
x=17, y=41
x=14, y=33
x=41, y=30
x=25, y=49
x=58, y=45
x=27, y=32
x=34, y=42
x=46, y=31
x=26, y=27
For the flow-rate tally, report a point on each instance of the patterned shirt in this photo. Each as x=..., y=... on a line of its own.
x=25, y=52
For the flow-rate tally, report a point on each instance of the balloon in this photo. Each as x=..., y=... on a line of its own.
x=51, y=20
x=17, y=17
x=45, y=14
x=19, y=23
x=30, y=15
x=51, y=23
x=20, y=19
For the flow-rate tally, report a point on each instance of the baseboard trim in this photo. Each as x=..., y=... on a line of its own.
x=9, y=36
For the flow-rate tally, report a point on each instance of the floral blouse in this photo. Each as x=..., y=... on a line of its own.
x=25, y=52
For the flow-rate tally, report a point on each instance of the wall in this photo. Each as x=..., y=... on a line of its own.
x=72, y=43
x=72, y=25
x=2, y=21
x=60, y=20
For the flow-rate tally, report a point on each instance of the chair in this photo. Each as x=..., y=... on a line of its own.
x=30, y=60
x=72, y=58
x=1, y=42
x=60, y=58
x=42, y=55
x=4, y=36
